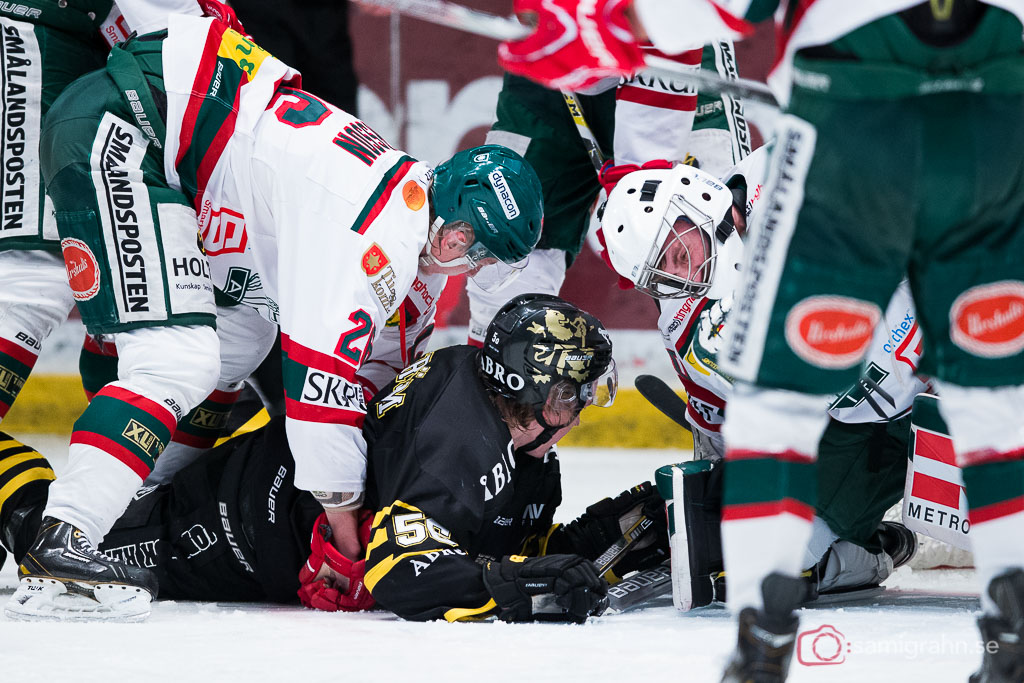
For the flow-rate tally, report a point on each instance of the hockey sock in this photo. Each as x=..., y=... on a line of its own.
x=770, y=487
x=97, y=363
x=25, y=476
x=205, y=424
x=984, y=423
x=113, y=448
x=16, y=364
x=995, y=494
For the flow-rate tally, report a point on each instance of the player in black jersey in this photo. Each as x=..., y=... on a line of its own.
x=462, y=490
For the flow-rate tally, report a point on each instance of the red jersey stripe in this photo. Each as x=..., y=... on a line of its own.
x=111, y=447
x=768, y=509
x=147, y=405
x=657, y=99
x=316, y=359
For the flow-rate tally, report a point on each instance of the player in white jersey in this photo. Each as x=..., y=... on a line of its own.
x=194, y=163
x=864, y=466
x=634, y=120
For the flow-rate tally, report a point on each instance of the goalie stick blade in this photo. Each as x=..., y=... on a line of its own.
x=648, y=588
x=661, y=396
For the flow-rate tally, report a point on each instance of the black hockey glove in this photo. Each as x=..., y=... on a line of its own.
x=549, y=588
x=605, y=521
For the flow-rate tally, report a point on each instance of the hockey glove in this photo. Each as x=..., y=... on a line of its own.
x=605, y=521
x=549, y=588
x=575, y=45
x=610, y=173
x=319, y=576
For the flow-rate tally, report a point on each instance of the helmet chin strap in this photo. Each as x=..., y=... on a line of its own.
x=546, y=434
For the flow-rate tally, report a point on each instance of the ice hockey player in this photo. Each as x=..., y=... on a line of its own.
x=214, y=532
x=827, y=256
x=306, y=218
x=684, y=253
x=463, y=524
x=51, y=44
x=648, y=116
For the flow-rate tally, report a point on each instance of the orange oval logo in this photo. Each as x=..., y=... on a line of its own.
x=831, y=331
x=413, y=195
x=83, y=270
x=988, y=320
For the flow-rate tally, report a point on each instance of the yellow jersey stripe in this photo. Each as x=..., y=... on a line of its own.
x=255, y=422
x=34, y=474
x=381, y=569
x=12, y=461
x=457, y=613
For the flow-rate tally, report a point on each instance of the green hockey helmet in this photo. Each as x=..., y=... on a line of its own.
x=542, y=351
x=497, y=193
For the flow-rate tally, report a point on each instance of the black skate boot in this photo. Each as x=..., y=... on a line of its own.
x=898, y=542
x=767, y=638
x=64, y=578
x=1003, y=662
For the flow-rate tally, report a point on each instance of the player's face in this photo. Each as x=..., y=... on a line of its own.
x=448, y=246
x=524, y=435
x=687, y=247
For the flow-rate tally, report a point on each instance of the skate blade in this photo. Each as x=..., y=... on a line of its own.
x=48, y=599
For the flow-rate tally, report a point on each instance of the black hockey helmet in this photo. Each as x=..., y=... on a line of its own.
x=537, y=342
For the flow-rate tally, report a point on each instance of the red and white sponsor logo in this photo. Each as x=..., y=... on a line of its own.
x=936, y=478
x=988, y=320
x=223, y=231
x=831, y=331
x=83, y=269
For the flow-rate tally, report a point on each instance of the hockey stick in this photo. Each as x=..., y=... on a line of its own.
x=617, y=550
x=661, y=396
x=583, y=128
x=639, y=589
x=487, y=25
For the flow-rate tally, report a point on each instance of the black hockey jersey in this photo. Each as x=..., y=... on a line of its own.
x=448, y=490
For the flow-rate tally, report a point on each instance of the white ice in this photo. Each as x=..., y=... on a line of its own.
x=921, y=629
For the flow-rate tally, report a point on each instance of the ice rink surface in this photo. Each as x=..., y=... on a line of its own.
x=920, y=629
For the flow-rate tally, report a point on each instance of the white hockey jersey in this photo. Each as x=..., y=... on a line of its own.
x=306, y=215
x=692, y=330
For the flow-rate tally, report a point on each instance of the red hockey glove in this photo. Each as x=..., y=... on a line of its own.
x=575, y=45
x=222, y=13
x=317, y=576
x=610, y=174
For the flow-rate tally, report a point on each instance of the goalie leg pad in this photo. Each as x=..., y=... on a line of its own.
x=693, y=494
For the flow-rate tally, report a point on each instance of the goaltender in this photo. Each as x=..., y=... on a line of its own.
x=462, y=488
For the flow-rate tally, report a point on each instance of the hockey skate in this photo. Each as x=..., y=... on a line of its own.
x=898, y=542
x=63, y=578
x=767, y=638
x=1003, y=662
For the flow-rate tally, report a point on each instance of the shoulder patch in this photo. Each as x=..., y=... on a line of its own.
x=374, y=260
x=414, y=195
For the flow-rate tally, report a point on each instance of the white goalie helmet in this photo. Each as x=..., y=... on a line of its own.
x=667, y=230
